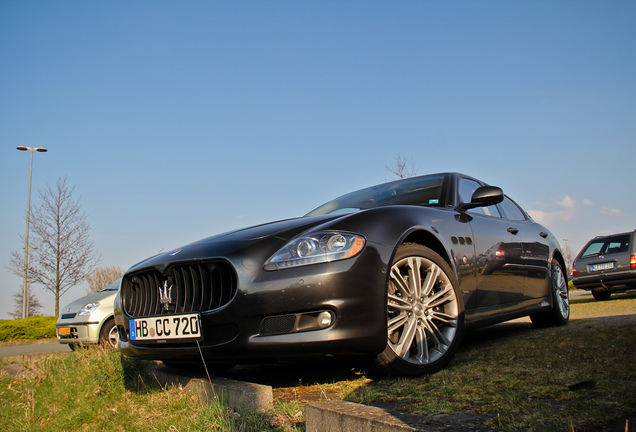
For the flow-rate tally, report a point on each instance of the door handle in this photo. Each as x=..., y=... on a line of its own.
x=513, y=231
x=543, y=234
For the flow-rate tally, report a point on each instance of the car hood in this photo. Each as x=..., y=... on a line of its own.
x=269, y=229
x=101, y=297
x=226, y=243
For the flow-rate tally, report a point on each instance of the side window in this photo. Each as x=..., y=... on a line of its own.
x=616, y=245
x=511, y=211
x=466, y=189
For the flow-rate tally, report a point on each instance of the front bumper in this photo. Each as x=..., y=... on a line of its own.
x=352, y=291
x=81, y=333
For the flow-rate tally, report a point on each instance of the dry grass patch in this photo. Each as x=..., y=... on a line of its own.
x=579, y=376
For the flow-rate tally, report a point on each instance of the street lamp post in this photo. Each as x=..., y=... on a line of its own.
x=25, y=301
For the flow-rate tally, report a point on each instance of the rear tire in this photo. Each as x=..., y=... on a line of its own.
x=425, y=322
x=560, y=313
x=601, y=295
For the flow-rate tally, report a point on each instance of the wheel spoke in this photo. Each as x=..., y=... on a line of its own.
x=403, y=347
x=398, y=303
x=440, y=342
x=422, y=346
x=396, y=323
x=431, y=279
x=415, y=277
x=440, y=298
x=445, y=318
x=399, y=281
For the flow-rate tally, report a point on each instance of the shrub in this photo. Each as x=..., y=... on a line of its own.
x=32, y=328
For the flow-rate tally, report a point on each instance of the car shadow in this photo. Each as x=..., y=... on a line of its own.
x=293, y=373
x=328, y=370
x=586, y=297
x=493, y=333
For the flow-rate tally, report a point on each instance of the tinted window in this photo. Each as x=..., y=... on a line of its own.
x=467, y=188
x=606, y=246
x=511, y=211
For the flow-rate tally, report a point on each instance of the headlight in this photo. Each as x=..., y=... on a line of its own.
x=316, y=248
x=88, y=308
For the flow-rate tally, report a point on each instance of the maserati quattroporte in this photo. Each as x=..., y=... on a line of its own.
x=396, y=273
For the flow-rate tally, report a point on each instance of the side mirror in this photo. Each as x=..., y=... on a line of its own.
x=484, y=196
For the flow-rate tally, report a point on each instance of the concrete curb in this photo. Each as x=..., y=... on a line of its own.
x=342, y=416
x=243, y=396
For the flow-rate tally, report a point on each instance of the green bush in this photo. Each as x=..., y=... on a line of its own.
x=32, y=328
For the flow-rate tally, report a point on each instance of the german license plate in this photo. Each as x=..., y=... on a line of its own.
x=64, y=331
x=187, y=326
x=601, y=267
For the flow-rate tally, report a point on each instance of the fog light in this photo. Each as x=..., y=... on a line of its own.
x=325, y=319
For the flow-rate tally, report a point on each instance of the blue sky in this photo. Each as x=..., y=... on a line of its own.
x=179, y=120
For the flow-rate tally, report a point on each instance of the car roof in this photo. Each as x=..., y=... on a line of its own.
x=613, y=235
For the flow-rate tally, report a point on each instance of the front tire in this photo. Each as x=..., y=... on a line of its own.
x=560, y=313
x=109, y=336
x=425, y=313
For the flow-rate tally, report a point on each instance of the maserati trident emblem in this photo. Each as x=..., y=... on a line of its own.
x=164, y=295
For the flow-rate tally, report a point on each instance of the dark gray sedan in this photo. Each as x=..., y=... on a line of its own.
x=396, y=273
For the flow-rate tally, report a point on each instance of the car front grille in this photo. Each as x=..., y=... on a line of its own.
x=182, y=288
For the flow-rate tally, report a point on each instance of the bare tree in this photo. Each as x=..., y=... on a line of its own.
x=33, y=305
x=63, y=253
x=102, y=277
x=402, y=168
x=568, y=257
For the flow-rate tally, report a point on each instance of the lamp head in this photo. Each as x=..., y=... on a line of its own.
x=40, y=149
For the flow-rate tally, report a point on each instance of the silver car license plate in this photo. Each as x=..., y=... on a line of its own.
x=601, y=267
x=186, y=326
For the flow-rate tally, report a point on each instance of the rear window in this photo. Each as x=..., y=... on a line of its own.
x=607, y=246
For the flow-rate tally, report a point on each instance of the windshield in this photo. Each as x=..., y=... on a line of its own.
x=421, y=191
x=113, y=287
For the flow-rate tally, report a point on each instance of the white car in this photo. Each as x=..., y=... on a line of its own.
x=89, y=320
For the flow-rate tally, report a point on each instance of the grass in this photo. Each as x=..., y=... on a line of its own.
x=528, y=380
x=573, y=378
x=100, y=390
x=579, y=376
x=32, y=328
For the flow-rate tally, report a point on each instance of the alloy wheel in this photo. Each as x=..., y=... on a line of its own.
x=422, y=311
x=561, y=291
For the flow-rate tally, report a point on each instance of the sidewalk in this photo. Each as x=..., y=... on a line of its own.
x=30, y=350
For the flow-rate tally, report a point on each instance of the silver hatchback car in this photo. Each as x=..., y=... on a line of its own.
x=89, y=320
x=606, y=264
